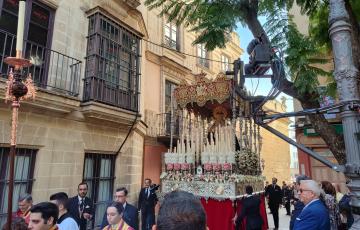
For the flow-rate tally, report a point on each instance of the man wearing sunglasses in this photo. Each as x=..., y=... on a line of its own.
x=314, y=215
x=298, y=205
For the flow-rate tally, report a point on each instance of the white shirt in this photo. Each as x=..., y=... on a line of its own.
x=68, y=224
x=124, y=205
x=80, y=198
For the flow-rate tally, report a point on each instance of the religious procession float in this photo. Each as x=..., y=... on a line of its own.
x=217, y=149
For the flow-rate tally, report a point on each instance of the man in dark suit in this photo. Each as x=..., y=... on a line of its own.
x=130, y=214
x=80, y=207
x=287, y=193
x=274, y=195
x=314, y=215
x=147, y=202
x=250, y=210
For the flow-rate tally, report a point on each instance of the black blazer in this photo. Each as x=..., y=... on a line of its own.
x=147, y=204
x=73, y=209
x=130, y=216
x=250, y=210
x=275, y=195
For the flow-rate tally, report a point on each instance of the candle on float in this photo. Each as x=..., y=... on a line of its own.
x=20, y=29
x=198, y=138
x=218, y=141
x=178, y=146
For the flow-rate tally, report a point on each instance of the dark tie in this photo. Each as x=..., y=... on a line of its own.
x=81, y=206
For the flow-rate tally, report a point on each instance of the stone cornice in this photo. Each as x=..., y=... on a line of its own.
x=131, y=3
x=170, y=66
x=141, y=23
x=121, y=13
x=47, y=100
x=51, y=3
x=102, y=112
x=173, y=65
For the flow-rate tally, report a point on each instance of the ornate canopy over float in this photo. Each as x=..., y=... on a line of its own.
x=218, y=150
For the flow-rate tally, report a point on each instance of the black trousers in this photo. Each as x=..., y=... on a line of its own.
x=287, y=206
x=275, y=212
x=147, y=220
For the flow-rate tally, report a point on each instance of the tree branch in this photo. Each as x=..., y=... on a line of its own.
x=334, y=141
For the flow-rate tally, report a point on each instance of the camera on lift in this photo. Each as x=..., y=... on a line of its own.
x=260, y=56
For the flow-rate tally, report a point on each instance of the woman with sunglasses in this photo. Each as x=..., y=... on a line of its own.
x=115, y=219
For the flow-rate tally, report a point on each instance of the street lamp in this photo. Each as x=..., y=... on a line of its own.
x=346, y=78
x=17, y=89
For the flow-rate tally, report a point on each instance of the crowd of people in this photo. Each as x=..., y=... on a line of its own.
x=76, y=213
x=315, y=205
x=318, y=206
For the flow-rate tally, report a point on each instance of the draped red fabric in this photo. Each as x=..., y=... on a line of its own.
x=263, y=214
x=220, y=213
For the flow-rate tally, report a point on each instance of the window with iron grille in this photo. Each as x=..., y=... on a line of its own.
x=203, y=55
x=39, y=20
x=169, y=87
x=112, y=64
x=99, y=175
x=171, y=31
x=23, y=177
x=224, y=63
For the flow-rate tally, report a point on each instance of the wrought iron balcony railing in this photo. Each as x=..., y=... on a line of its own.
x=164, y=123
x=111, y=93
x=51, y=70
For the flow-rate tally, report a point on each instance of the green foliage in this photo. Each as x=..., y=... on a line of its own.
x=212, y=20
x=271, y=6
x=331, y=89
x=310, y=6
x=319, y=27
x=318, y=11
x=302, y=53
x=302, y=56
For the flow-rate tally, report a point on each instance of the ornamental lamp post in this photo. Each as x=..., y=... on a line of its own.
x=346, y=78
x=18, y=88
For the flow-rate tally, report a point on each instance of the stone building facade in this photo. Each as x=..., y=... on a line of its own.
x=82, y=113
x=275, y=152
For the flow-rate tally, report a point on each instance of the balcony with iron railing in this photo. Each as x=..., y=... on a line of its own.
x=51, y=70
x=111, y=93
x=159, y=125
x=165, y=123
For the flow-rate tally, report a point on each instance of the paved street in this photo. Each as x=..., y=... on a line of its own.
x=284, y=220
